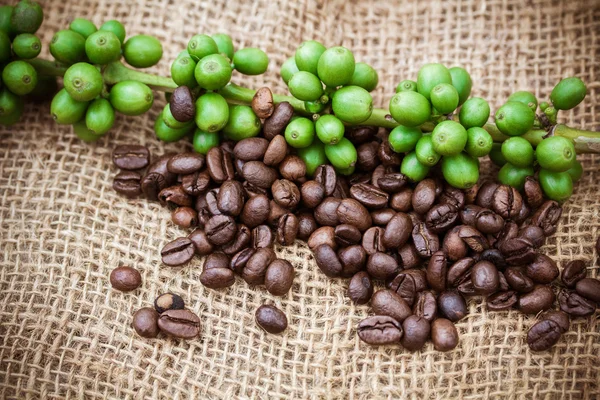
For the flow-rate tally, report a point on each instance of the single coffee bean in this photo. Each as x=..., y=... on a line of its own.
x=484, y=276
x=182, y=104
x=128, y=183
x=255, y=211
x=312, y=193
x=533, y=192
x=387, y=156
x=372, y=240
x=252, y=190
x=451, y=196
x=182, y=324
x=460, y=272
x=416, y=332
x=239, y=260
x=382, y=216
x=279, y=277
x=382, y=266
x=444, y=335
x=287, y=229
x=547, y=216
x=212, y=203
x=441, y=217
x=486, y=194
x=573, y=272
x=328, y=261
x=216, y=273
x=262, y=103
x=453, y=245
x=292, y=168
x=174, y=196
x=437, y=271
x=510, y=231
x=131, y=157
x=468, y=215
x=327, y=177
x=542, y=270
x=347, y=235
x=452, y=305
x=256, y=267
x=200, y=241
x=178, y=252
x=404, y=285
x=495, y=257
x=503, y=285
x=271, y=319
x=306, y=226
x=195, y=183
x=354, y=213
x=387, y=302
x=539, y=299
x=326, y=212
x=517, y=251
x=168, y=301
x=157, y=177
x=424, y=196
x=523, y=213
x=560, y=317
x=534, y=234
x=369, y=195
x=185, y=163
x=471, y=194
x=378, y=173
x=230, y=199
x=125, y=278
x=278, y=120
x=392, y=183
x=276, y=151
x=145, y=322
x=543, y=335
x=379, y=330
x=426, y=242
x=473, y=238
x=467, y=288
x=220, y=229
x=402, y=201
x=219, y=164
x=489, y=222
x=323, y=235
x=358, y=178
x=502, y=300
x=353, y=259
x=518, y=280
x=241, y=240
x=360, y=288
x=398, y=231
x=360, y=134
x=409, y=256
x=185, y=217
x=589, y=288
x=285, y=193
x=575, y=305
x=367, y=159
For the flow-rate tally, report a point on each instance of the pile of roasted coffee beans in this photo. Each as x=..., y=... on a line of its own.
x=429, y=243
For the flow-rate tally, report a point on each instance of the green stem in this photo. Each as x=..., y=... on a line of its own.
x=116, y=72
x=46, y=67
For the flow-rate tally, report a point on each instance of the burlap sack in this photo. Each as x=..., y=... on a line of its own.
x=65, y=334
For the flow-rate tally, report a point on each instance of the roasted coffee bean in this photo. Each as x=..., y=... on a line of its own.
x=489, y=222
x=195, y=183
x=185, y=163
x=589, y=288
x=255, y=211
x=387, y=302
x=285, y=193
x=409, y=256
x=452, y=305
x=276, y=151
x=420, y=277
x=425, y=306
x=423, y=196
x=517, y=251
x=392, y=183
x=547, y=216
x=382, y=216
x=131, y=157
x=459, y=272
x=168, y=301
x=256, y=267
x=251, y=149
x=219, y=165
x=379, y=330
x=404, y=285
x=416, y=333
x=387, y=156
x=306, y=226
x=495, y=257
x=359, y=177
x=178, y=252
x=402, y=201
x=185, y=217
x=510, y=231
x=573, y=272
x=220, y=229
x=539, y=299
x=533, y=192
x=561, y=318
x=367, y=159
x=518, y=280
x=327, y=177
x=503, y=285
x=534, y=234
x=353, y=259
x=452, y=196
x=157, y=177
x=360, y=288
x=279, y=277
x=312, y=193
x=241, y=240
x=258, y=174
x=542, y=270
x=252, y=191
x=444, y=335
x=277, y=122
x=217, y=273
x=125, y=278
x=182, y=324
x=377, y=174
x=354, y=213
x=239, y=260
x=271, y=319
x=342, y=190
x=360, y=134
x=523, y=213
x=466, y=288
x=486, y=194
x=453, y=245
x=292, y=168
x=287, y=229
x=484, y=276
x=145, y=323
x=473, y=238
x=574, y=304
x=471, y=194
x=372, y=240
x=543, y=335
x=200, y=241
x=211, y=202
x=468, y=215
x=502, y=300
x=262, y=103
x=369, y=195
x=326, y=212
x=347, y=235
x=441, y=217
x=437, y=271
x=328, y=261
x=323, y=235
x=426, y=242
x=382, y=266
x=174, y=196
x=398, y=231
x=128, y=183
x=182, y=104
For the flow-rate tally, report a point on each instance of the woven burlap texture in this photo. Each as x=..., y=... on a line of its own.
x=64, y=333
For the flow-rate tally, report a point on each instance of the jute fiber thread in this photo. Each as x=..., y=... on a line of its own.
x=64, y=334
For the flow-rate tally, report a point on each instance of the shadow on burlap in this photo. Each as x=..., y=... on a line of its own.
x=65, y=334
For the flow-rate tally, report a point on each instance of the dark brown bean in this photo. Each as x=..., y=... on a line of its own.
x=416, y=333
x=367, y=159
x=185, y=163
x=398, y=231
x=471, y=194
x=539, y=299
x=360, y=134
x=277, y=122
x=182, y=104
x=353, y=259
x=387, y=302
x=543, y=335
x=354, y=213
x=157, y=177
x=460, y=271
x=409, y=256
x=128, y=183
x=182, y=324
x=402, y=201
x=547, y=216
x=258, y=174
x=240, y=259
x=379, y=330
x=573, y=272
x=195, y=183
x=256, y=267
x=437, y=271
x=285, y=193
x=542, y=270
x=372, y=240
x=387, y=156
x=533, y=192
x=518, y=280
x=468, y=215
x=534, y=234
x=292, y=168
x=242, y=239
x=424, y=196
x=219, y=165
x=425, y=241
x=347, y=235
x=125, y=278
x=312, y=193
x=441, y=217
x=360, y=288
x=486, y=194
x=145, y=322
x=575, y=305
x=392, y=183
x=287, y=229
x=589, y=288
x=451, y=196
x=202, y=246
x=327, y=177
x=489, y=222
x=382, y=266
x=306, y=225
x=271, y=319
x=220, y=229
x=323, y=235
x=216, y=273
x=425, y=306
x=560, y=317
x=255, y=211
x=279, y=277
x=174, y=196
x=276, y=151
x=370, y=196
x=452, y=305
x=328, y=261
x=453, y=245
x=444, y=335
x=382, y=216
x=178, y=252
x=502, y=300
x=262, y=103
x=251, y=149
x=484, y=276
x=262, y=236
x=168, y=301
x=131, y=157
x=473, y=238
x=326, y=212
x=185, y=217
x=517, y=251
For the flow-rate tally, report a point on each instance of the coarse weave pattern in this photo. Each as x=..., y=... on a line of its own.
x=65, y=334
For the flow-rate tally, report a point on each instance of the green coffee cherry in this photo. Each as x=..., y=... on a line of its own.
x=19, y=77
x=364, y=76
x=11, y=107
x=115, y=27
x=568, y=93
x=213, y=72
x=444, y=98
x=313, y=156
x=27, y=17
x=305, y=86
x=403, y=139
x=201, y=46
x=212, y=112
x=204, y=141
x=84, y=133
x=461, y=80
x=182, y=71
x=544, y=105
x=251, y=61
x=65, y=110
x=68, y=47
x=557, y=186
x=27, y=46
x=243, y=123
x=307, y=56
x=431, y=75
x=300, y=132
x=5, y=15
x=166, y=134
x=410, y=108
x=352, y=104
x=425, y=152
x=83, y=26
x=449, y=138
x=479, y=142
x=460, y=170
x=314, y=107
x=406, y=86
x=514, y=176
x=100, y=116
x=412, y=168
x=5, y=52
x=514, y=118
x=131, y=97
x=224, y=44
x=83, y=81
x=336, y=66
x=518, y=152
x=556, y=154
x=329, y=129
x=342, y=155
x=142, y=51
x=474, y=113
x=496, y=155
x=576, y=171
x=288, y=69
x=526, y=98
x=103, y=47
